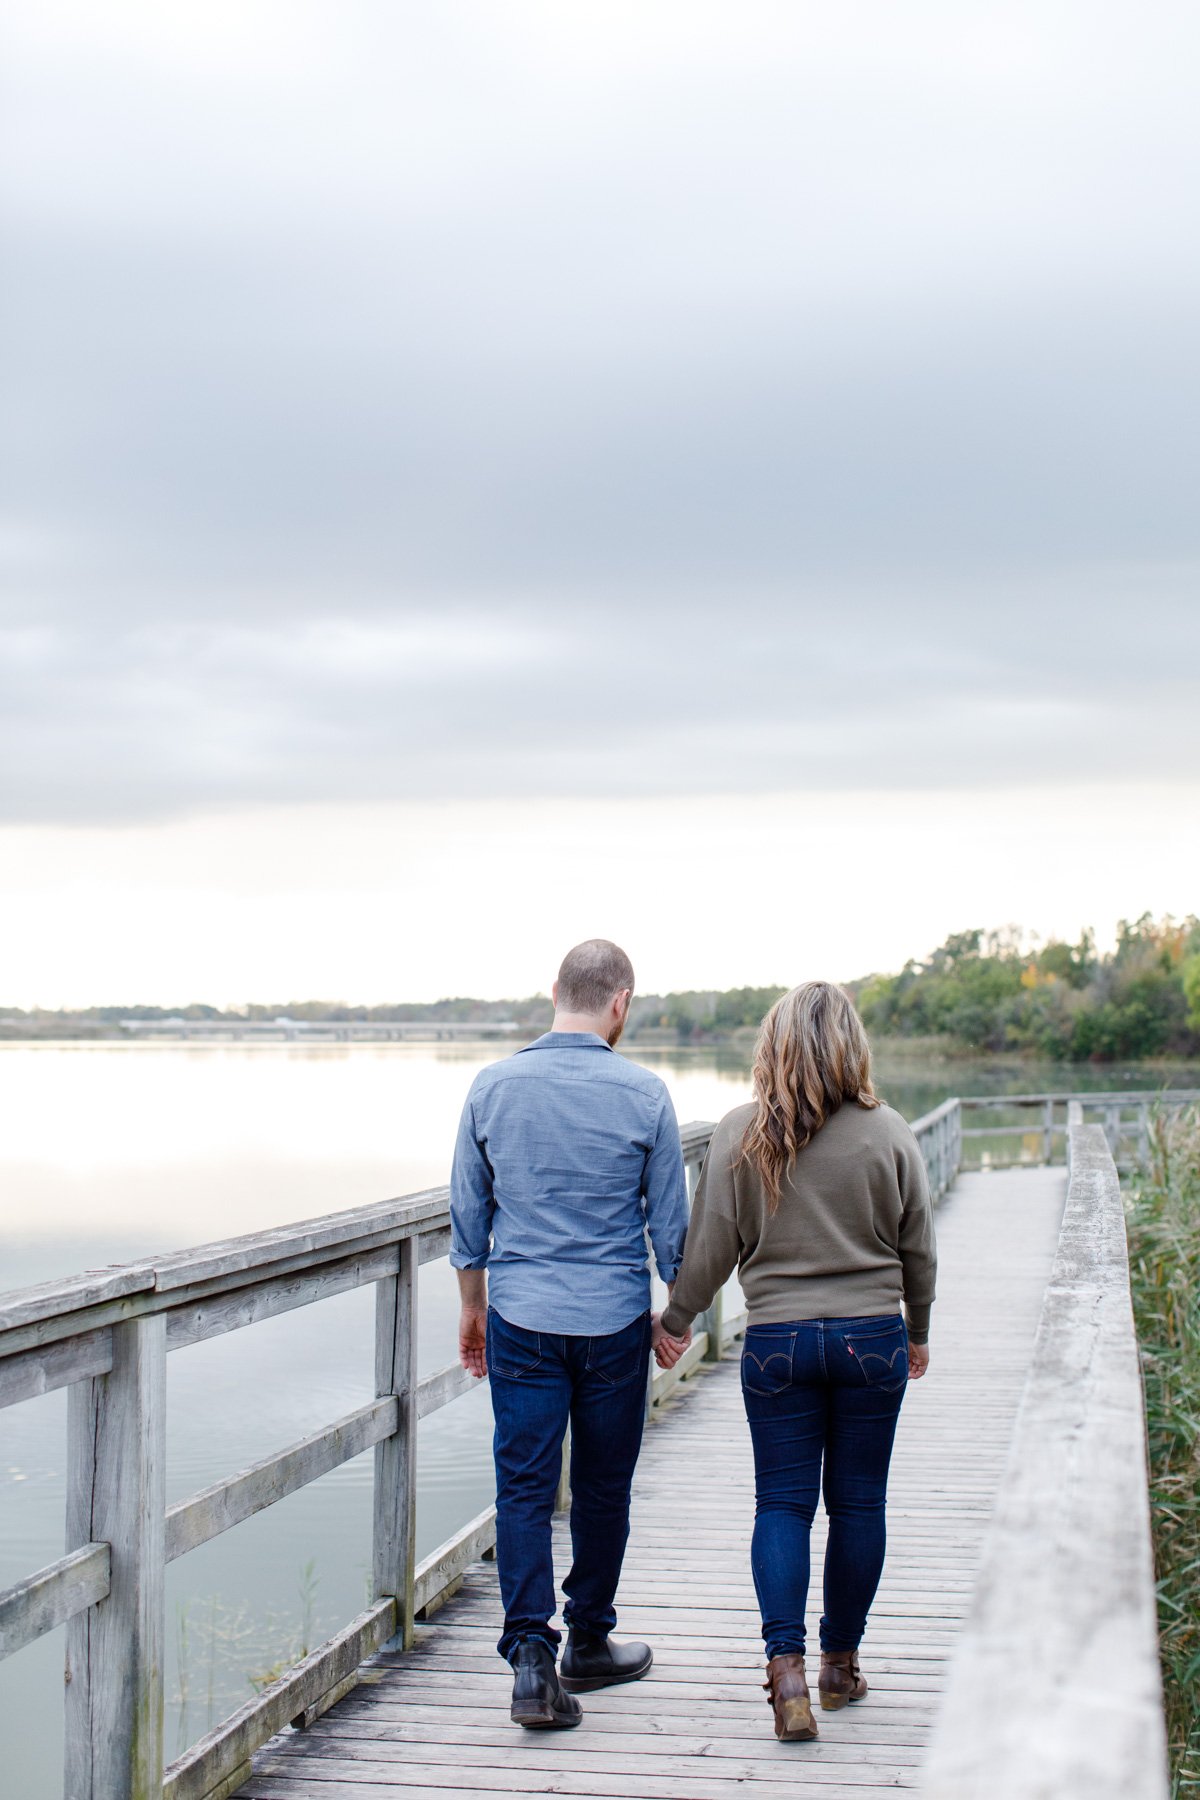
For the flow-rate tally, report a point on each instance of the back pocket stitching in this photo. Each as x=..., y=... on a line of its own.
x=761, y=1365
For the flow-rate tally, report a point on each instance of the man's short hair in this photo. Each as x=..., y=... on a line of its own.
x=591, y=974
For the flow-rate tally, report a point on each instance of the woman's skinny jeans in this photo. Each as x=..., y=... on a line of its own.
x=821, y=1390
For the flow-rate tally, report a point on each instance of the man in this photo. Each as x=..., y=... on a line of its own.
x=566, y=1156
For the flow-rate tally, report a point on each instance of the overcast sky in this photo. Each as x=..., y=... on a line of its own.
x=460, y=459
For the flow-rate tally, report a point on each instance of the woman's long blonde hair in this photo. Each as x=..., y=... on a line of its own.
x=811, y=1055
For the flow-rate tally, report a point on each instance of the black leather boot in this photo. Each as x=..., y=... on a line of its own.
x=538, y=1700
x=597, y=1662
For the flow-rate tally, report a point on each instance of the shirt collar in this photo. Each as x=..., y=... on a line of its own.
x=567, y=1040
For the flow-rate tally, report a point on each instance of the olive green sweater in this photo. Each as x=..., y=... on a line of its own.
x=852, y=1237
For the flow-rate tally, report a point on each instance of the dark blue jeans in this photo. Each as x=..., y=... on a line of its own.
x=539, y=1381
x=821, y=1391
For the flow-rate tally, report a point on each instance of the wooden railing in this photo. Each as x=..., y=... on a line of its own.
x=1125, y=1118
x=1055, y=1687
x=105, y=1336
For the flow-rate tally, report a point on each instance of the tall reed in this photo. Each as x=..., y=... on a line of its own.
x=1164, y=1260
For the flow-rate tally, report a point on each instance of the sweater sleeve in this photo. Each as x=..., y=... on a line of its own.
x=712, y=1246
x=918, y=1251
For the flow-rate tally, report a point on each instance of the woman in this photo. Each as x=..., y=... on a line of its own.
x=817, y=1193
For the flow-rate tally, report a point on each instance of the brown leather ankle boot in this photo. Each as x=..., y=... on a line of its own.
x=787, y=1686
x=841, y=1680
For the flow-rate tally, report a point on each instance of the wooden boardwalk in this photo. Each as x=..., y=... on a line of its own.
x=435, y=1720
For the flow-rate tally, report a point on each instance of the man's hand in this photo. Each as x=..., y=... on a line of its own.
x=472, y=1323
x=472, y=1340
x=918, y=1361
x=667, y=1349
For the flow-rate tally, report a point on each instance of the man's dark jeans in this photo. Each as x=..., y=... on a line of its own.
x=821, y=1390
x=539, y=1381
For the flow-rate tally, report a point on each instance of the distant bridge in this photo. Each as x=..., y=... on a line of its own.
x=1012, y=1651
x=318, y=1031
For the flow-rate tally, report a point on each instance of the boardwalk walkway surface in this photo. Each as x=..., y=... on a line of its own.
x=698, y=1728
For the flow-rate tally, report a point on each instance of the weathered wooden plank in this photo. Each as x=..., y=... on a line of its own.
x=447, y=1562
x=199, y=1319
x=695, y=1138
x=395, y=1499
x=116, y=1496
x=401, y=1682
x=94, y=1287
x=419, y=1778
x=1068, y=1565
x=994, y=1131
x=656, y=1734
x=581, y=1752
x=435, y=1244
x=311, y=1237
x=277, y=1778
x=1092, y=1098
x=662, y=1693
x=55, y=1594
x=330, y=1698
x=38, y=1316
x=438, y=1390
x=230, y=1744
x=215, y=1509
x=35, y=1372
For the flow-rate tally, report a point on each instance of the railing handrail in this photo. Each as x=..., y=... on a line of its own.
x=1055, y=1686
x=1087, y=1097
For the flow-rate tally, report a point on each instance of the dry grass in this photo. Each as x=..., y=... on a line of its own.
x=1164, y=1256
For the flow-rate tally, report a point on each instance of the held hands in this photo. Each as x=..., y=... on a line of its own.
x=472, y=1341
x=667, y=1349
x=918, y=1361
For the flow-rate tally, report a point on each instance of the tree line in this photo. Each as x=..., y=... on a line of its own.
x=979, y=991
x=986, y=991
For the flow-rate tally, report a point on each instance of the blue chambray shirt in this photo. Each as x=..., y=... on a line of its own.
x=567, y=1155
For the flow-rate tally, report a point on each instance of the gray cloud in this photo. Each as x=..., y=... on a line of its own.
x=816, y=401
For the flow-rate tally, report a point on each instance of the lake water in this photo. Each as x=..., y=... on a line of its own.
x=113, y=1151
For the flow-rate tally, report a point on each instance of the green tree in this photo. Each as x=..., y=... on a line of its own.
x=1189, y=972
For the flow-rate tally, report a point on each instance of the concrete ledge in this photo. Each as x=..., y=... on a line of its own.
x=1055, y=1690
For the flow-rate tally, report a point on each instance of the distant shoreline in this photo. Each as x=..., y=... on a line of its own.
x=889, y=1050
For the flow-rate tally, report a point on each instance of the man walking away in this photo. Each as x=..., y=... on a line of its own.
x=566, y=1156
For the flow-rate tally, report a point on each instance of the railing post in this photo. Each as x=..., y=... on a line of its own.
x=1048, y=1132
x=396, y=1456
x=116, y=1494
x=710, y=1321
x=1112, y=1128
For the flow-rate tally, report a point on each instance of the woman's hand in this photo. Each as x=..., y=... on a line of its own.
x=667, y=1349
x=918, y=1361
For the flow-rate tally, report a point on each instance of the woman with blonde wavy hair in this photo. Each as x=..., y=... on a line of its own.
x=816, y=1192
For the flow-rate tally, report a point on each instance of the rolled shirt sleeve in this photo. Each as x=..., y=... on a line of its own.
x=664, y=1193
x=471, y=1198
